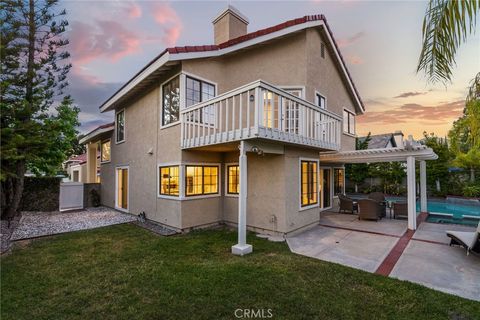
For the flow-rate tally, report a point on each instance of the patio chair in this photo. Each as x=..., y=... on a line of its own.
x=468, y=240
x=400, y=210
x=347, y=204
x=380, y=198
x=369, y=209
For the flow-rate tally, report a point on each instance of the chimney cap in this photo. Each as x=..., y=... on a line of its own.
x=232, y=10
x=398, y=133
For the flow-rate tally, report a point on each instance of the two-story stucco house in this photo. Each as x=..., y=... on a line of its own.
x=232, y=132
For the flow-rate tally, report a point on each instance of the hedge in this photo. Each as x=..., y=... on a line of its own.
x=40, y=194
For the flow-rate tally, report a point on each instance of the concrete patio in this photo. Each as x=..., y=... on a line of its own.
x=386, y=247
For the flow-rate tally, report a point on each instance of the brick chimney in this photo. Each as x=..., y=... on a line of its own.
x=229, y=24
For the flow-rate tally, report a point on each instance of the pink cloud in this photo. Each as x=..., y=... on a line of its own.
x=345, y=42
x=413, y=112
x=166, y=16
x=134, y=11
x=353, y=59
x=108, y=40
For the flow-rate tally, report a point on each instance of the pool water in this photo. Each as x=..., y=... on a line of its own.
x=446, y=211
x=456, y=210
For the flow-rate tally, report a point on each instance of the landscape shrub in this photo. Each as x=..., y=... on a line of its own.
x=40, y=194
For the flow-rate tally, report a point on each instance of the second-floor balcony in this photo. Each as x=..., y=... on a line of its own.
x=259, y=110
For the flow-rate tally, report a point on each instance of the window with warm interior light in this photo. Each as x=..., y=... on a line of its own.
x=308, y=183
x=105, y=151
x=233, y=179
x=201, y=180
x=338, y=181
x=169, y=181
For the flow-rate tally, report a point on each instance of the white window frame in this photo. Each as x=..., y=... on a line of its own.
x=182, y=185
x=348, y=127
x=128, y=187
x=317, y=93
x=183, y=90
x=299, y=88
x=299, y=194
x=101, y=151
x=232, y=195
x=124, y=126
x=180, y=181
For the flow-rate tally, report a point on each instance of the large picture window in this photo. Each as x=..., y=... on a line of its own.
x=120, y=126
x=169, y=181
x=309, y=183
x=198, y=91
x=171, y=101
x=348, y=122
x=233, y=179
x=338, y=181
x=105, y=151
x=201, y=180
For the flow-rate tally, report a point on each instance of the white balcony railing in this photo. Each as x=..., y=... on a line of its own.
x=259, y=110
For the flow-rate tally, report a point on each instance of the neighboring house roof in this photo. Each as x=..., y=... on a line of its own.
x=169, y=56
x=81, y=159
x=380, y=141
x=97, y=131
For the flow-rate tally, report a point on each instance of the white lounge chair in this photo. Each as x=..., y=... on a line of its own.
x=468, y=240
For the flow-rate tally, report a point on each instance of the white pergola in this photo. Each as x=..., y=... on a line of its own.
x=408, y=154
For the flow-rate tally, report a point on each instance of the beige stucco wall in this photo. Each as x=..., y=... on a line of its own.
x=228, y=27
x=273, y=180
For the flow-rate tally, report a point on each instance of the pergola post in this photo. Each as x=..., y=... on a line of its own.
x=242, y=248
x=423, y=186
x=411, y=194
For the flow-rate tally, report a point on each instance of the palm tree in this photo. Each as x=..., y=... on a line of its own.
x=446, y=25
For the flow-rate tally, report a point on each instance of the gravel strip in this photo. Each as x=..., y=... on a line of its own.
x=37, y=224
x=156, y=228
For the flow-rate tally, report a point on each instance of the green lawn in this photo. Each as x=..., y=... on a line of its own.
x=125, y=272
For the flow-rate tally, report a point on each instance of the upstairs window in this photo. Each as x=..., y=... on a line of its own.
x=105, y=151
x=171, y=101
x=201, y=180
x=198, y=91
x=233, y=179
x=120, y=126
x=308, y=183
x=321, y=101
x=322, y=50
x=348, y=122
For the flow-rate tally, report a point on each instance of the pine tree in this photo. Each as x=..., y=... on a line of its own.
x=36, y=130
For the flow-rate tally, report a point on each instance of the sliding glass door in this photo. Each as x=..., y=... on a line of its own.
x=326, y=187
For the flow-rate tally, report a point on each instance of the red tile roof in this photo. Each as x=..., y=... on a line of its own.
x=262, y=32
x=80, y=158
x=249, y=36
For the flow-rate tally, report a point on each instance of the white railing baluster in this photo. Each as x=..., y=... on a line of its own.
x=276, y=115
x=240, y=110
x=248, y=113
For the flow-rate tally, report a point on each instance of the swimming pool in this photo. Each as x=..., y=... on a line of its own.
x=456, y=210
x=447, y=211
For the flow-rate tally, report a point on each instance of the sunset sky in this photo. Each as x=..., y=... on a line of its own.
x=111, y=40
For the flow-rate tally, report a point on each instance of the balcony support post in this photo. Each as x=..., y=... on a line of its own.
x=242, y=248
